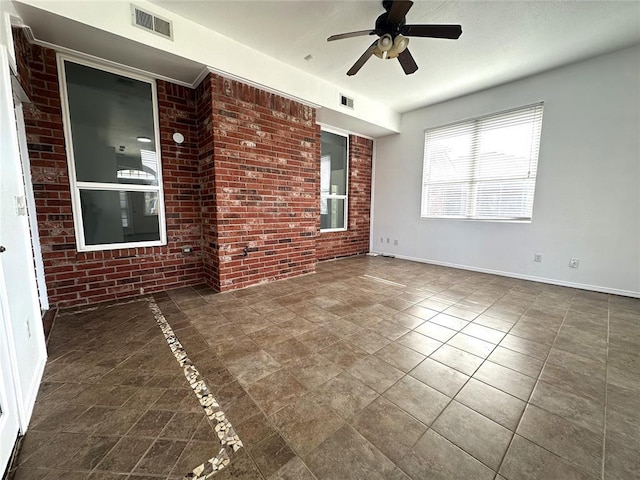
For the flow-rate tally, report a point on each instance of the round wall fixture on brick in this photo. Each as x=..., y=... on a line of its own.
x=178, y=137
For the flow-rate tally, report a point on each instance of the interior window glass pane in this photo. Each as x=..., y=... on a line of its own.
x=334, y=218
x=119, y=216
x=334, y=147
x=112, y=127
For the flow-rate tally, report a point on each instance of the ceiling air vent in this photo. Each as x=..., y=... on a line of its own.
x=151, y=22
x=346, y=101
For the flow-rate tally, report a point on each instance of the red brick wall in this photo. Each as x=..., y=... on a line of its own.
x=247, y=175
x=72, y=277
x=355, y=240
x=208, y=184
x=267, y=151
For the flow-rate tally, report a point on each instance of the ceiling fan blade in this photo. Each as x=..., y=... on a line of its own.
x=407, y=62
x=433, y=31
x=350, y=34
x=398, y=11
x=363, y=59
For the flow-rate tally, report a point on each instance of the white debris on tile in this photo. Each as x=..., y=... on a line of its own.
x=224, y=430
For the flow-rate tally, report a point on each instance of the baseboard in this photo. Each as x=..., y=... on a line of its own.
x=532, y=278
x=30, y=397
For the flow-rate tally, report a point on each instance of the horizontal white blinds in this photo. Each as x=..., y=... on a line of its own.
x=484, y=168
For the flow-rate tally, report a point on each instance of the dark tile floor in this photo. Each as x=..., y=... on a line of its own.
x=372, y=368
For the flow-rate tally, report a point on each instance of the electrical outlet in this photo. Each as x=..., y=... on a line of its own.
x=381, y=240
x=574, y=262
x=395, y=242
x=387, y=239
x=537, y=257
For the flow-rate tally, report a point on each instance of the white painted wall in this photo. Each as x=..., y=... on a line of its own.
x=18, y=291
x=199, y=44
x=587, y=200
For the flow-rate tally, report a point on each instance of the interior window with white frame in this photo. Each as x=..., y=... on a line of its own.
x=334, y=166
x=483, y=168
x=111, y=132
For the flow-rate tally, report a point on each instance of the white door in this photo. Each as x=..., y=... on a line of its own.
x=15, y=303
x=9, y=420
x=9, y=415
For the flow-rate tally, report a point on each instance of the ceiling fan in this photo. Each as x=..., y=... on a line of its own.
x=392, y=30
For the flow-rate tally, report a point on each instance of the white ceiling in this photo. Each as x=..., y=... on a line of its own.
x=501, y=40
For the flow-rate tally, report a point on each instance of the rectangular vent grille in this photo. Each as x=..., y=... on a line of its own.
x=152, y=23
x=346, y=101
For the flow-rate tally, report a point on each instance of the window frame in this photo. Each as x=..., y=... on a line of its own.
x=76, y=186
x=471, y=195
x=344, y=197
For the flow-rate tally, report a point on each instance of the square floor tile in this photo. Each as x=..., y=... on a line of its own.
x=419, y=343
x=476, y=434
x=527, y=461
x=161, y=457
x=517, y=361
x=566, y=439
x=448, y=321
x=369, y=341
x=505, y=379
x=483, y=333
x=471, y=345
x=252, y=430
x=567, y=404
x=274, y=391
x=435, y=458
x=421, y=312
x=460, y=360
x=495, y=404
x=271, y=454
x=438, y=332
x=345, y=395
x=313, y=370
x=527, y=347
x=343, y=353
x=347, y=454
x=399, y=356
x=376, y=373
x=439, y=376
x=389, y=428
x=417, y=399
x=306, y=423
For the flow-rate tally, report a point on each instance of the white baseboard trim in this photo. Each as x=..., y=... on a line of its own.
x=29, y=399
x=550, y=281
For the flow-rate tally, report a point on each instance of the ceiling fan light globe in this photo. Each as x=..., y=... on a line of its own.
x=385, y=43
x=400, y=44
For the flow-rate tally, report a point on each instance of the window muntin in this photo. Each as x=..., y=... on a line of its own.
x=483, y=168
x=114, y=160
x=334, y=166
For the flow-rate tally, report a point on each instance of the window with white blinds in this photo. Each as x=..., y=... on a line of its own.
x=483, y=168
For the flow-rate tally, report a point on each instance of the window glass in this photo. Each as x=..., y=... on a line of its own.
x=110, y=216
x=483, y=168
x=112, y=127
x=334, y=218
x=334, y=166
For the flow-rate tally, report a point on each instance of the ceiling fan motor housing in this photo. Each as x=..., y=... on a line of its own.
x=384, y=27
